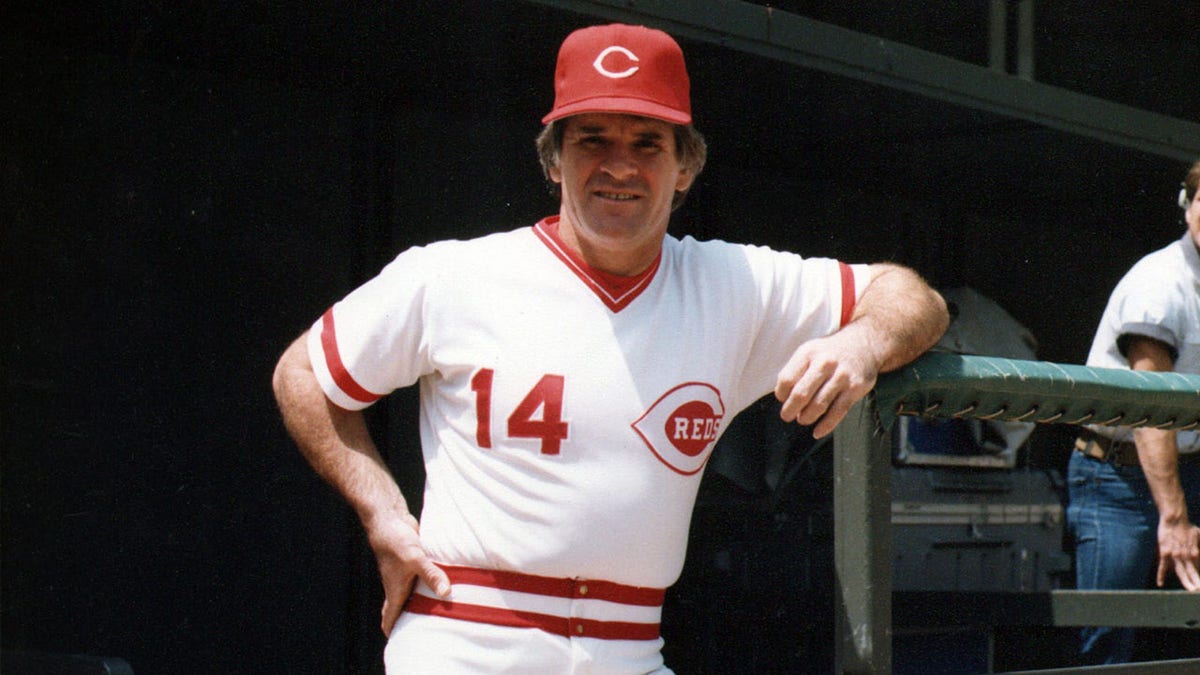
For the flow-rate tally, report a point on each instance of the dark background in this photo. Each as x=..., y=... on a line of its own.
x=186, y=186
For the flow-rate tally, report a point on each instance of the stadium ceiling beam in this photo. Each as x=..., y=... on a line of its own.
x=808, y=43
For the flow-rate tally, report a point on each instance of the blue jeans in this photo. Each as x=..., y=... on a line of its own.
x=1112, y=516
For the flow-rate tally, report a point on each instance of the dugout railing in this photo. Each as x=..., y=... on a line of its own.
x=943, y=385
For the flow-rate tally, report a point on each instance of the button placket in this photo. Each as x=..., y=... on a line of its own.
x=579, y=590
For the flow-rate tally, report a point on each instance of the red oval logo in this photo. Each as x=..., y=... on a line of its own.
x=683, y=425
x=692, y=427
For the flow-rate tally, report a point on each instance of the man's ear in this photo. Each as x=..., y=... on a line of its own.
x=555, y=174
x=684, y=182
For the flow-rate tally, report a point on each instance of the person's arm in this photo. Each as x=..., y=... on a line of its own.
x=896, y=320
x=1178, y=538
x=338, y=445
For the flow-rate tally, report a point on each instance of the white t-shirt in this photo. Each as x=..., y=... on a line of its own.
x=566, y=417
x=1159, y=297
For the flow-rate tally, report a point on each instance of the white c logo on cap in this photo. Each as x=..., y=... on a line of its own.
x=598, y=64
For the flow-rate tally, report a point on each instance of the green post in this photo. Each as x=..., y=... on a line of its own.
x=862, y=543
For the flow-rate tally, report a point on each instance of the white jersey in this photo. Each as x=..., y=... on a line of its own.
x=1159, y=297
x=566, y=415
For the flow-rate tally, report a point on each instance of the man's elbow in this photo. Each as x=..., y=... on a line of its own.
x=941, y=314
x=292, y=363
x=278, y=379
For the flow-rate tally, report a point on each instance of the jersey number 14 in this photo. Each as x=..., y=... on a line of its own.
x=547, y=395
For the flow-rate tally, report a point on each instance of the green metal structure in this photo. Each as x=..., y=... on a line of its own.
x=949, y=385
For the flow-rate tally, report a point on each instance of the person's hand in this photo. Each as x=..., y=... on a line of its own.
x=1179, y=551
x=825, y=378
x=401, y=559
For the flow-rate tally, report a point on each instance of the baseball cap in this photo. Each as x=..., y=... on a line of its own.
x=621, y=69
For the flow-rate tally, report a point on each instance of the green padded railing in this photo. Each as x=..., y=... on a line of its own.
x=951, y=385
x=985, y=387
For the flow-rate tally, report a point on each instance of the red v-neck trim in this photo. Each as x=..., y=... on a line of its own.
x=616, y=292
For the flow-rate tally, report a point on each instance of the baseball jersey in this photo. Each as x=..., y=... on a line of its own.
x=566, y=414
x=1159, y=297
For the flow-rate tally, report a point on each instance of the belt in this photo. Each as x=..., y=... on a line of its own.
x=567, y=607
x=1120, y=453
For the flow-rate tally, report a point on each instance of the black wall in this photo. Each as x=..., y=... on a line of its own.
x=167, y=230
x=185, y=190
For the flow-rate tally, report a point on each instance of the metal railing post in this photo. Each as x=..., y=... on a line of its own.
x=862, y=543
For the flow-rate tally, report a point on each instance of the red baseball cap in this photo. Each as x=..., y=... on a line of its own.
x=621, y=69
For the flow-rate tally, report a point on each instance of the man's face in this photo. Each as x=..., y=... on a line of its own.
x=1192, y=216
x=618, y=175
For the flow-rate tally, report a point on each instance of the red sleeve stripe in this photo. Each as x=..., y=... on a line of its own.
x=848, y=295
x=333, y=360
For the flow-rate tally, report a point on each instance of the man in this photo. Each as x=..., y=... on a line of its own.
x=574, y=376
x=1131, y=492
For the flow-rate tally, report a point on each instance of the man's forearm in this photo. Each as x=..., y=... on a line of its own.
x=900, y=314
x=336, y=442
x=338, y=445
x=1159, y=457
x=1157, y=450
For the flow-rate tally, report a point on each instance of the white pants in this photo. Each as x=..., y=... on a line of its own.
x=472, y=638
x=435, y=645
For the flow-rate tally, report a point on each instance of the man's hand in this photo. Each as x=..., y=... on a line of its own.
x=897, y=318
x=1179, y=550
x=825, y=378
x=397, y=545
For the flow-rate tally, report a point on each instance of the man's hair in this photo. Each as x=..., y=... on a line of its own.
x=1192, y=180
x=690, y=150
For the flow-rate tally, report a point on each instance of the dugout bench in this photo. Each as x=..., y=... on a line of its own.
x=941, y=385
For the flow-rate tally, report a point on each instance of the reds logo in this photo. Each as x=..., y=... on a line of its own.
x=681, y=427
x=598, y=64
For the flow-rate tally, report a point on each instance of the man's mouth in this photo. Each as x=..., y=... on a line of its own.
x=617, y=196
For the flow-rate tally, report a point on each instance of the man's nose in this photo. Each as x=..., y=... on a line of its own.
x=619, y=163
